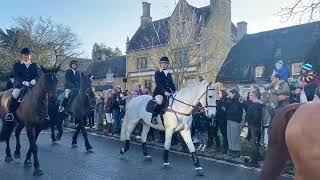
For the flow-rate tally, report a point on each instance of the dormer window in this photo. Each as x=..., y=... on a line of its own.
x=259, y=70
x=296, y=68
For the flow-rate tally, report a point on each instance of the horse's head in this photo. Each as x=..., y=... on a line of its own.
x=191, y=95
x=86, y=83
x=50, y=79
x=208, y=100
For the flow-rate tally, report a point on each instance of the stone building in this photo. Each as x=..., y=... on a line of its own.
x=196, y=40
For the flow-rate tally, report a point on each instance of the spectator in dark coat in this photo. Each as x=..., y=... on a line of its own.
x=254, y=118
x=115, y=107
x=234, y=118
x=221, y=122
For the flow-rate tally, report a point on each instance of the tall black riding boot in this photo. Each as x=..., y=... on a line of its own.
x=13, y=106
x=63, y=104
x=155, y=114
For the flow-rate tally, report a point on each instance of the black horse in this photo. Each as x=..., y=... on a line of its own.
x=32, y=114
x=79, y=108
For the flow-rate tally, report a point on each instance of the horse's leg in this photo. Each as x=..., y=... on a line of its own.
x=53, y=135
x=32, y=134
x=167, y=145
x=144, y=135
x=59, y=127
x=186, y=135
x=85, y=136
x=75, y=136
x=18, y=146
x=130, y=126
x=27, y=162
x=8, y=152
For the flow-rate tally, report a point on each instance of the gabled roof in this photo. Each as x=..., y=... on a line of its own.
x=157, y=33
x=151, y=34
x=265, y=48
x=115, y=65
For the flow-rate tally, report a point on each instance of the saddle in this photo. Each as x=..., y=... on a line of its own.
x=152, y=106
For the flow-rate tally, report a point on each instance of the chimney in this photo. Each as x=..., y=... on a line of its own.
x=146, y=18
x=241, y=29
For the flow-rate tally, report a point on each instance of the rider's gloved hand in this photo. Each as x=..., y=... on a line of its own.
x=26, y=83
x=33, y=82
x=167, y=93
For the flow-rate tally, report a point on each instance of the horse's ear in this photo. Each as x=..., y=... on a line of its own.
x=44, y=70
x=57, y=68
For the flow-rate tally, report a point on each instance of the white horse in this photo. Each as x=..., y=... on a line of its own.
x=176, y=118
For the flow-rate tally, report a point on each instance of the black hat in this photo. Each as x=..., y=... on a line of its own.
x=11, y=75
x=25, y=51
x=164, y=59
x=73, y=62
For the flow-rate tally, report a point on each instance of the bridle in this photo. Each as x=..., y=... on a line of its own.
x=170, y=108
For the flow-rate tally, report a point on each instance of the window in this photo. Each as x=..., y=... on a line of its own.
x=259, y=71
x=109, y=77
x=182, y=29
x=296, y=68
x=182, y=56
x=148, y=83
x=142, y=63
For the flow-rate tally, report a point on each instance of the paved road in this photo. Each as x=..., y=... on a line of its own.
x=64, y=163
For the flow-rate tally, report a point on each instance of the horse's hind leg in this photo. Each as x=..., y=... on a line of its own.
x=53, y=135
x=8, y=152
x=18, y=146
x=186, y=135
x=144, y=135
x=129, y=129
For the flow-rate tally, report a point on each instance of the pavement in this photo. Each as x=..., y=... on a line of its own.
x=62, y=162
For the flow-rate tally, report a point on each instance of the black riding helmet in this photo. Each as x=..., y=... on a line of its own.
x=73, y=62
x=165, y=60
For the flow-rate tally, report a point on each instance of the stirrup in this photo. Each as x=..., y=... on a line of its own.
x=9, y=117
x=154, y=120
x=61, y=108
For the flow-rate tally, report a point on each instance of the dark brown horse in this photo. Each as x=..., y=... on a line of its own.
x=79, y=108
x=295, y=134
x=32, y=114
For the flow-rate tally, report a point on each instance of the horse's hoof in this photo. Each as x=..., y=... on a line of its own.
x=199, y=171
x=122, y=151
x=166, y=165
x=38, y=172
x=74, y=145
x=58, y=138
x=90, y=150
x=27, y=164
x=8, y=159
x=54, y=142
x=16, y=156
x=147, y=158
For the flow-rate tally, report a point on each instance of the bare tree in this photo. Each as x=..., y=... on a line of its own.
x=52, y=43
x=181, y=40
x=302, y=10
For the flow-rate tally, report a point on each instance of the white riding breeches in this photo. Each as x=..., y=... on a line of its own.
x=66, y=93
x=159, y=99
x=16, y=93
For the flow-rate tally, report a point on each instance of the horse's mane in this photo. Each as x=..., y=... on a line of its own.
x=190, y=87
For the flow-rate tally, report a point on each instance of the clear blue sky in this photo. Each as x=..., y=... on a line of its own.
x=111, y=21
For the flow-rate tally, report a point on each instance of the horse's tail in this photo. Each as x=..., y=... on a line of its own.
x=277, y=148
x=6, y=129
x=124, y=127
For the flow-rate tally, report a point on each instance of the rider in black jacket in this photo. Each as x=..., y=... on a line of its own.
x=71, y=81
x=25, y=73
x=164, y=87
